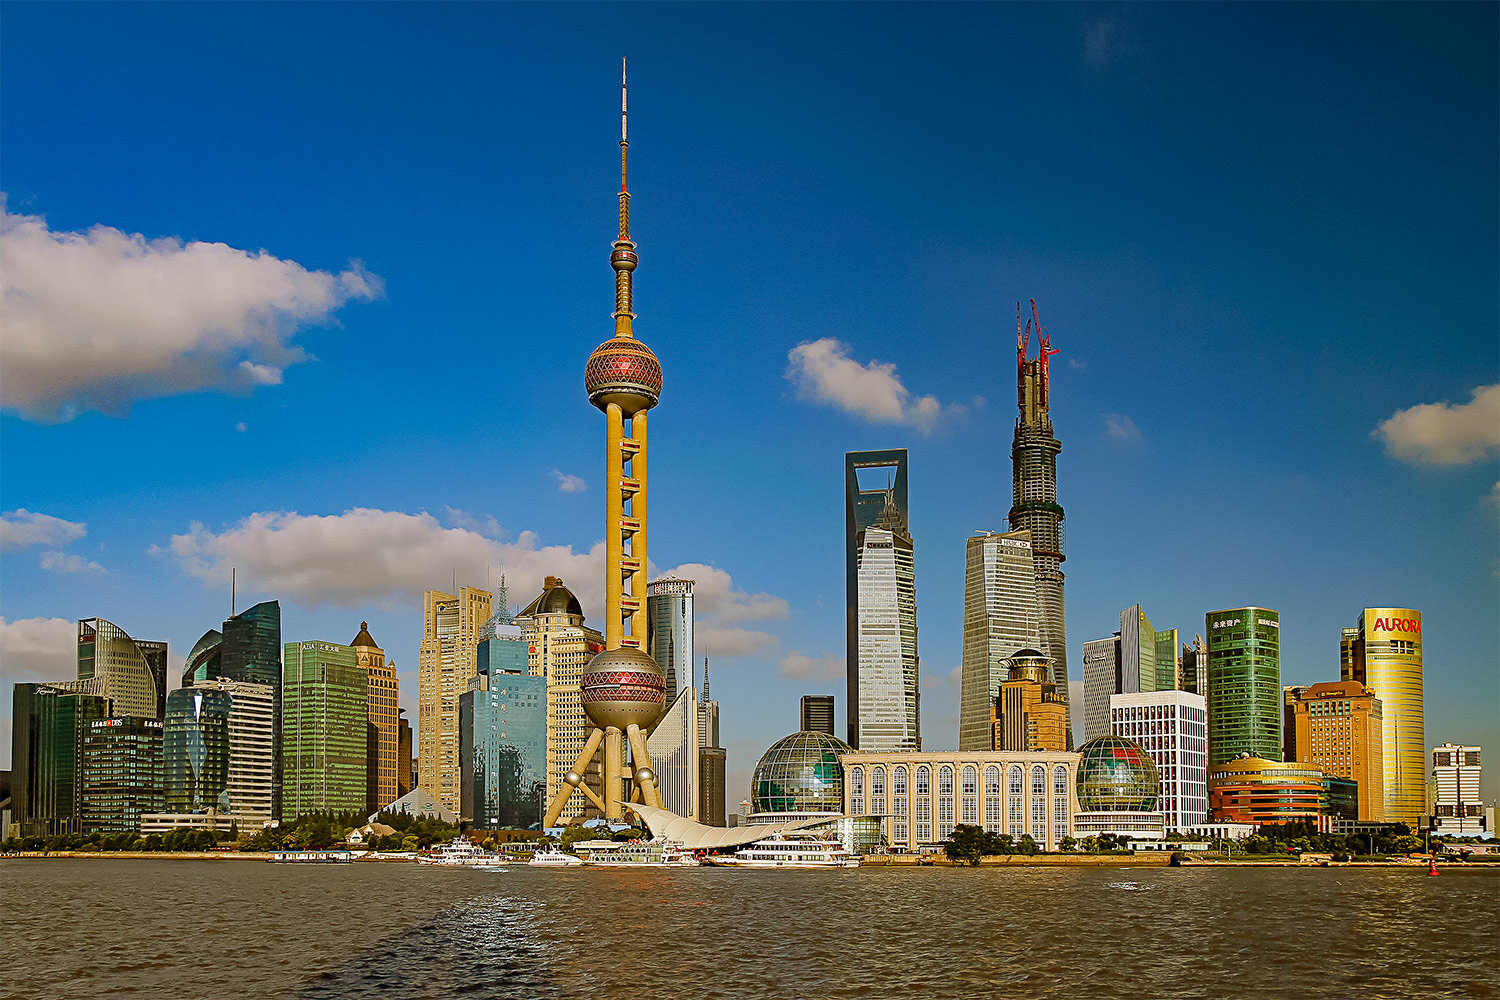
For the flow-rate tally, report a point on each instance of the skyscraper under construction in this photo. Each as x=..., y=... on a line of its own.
x=1034, y=508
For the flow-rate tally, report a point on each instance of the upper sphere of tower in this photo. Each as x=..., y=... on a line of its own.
x=623, y=370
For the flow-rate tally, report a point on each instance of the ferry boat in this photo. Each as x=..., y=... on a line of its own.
x=789, y=850
x=311, y=857
x=634, y=854
x=551, y=857
x=463, y=853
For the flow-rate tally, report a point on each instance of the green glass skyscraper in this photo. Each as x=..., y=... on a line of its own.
x=1244, y=684
x=47, y=723
x=324, y=744
x=195, y=751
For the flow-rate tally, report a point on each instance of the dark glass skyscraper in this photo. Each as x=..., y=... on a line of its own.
x=119, y=773
x=47, y=724
x=881, y=596
x=1034, y=505
x=195, y=750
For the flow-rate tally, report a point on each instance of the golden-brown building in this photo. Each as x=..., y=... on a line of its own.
x=1383, y=651
x=559, y=646
x=1029, y=714
x=445, y=665
x=384, y=706
x=1337, y=727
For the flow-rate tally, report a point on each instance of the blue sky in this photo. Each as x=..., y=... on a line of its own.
x=308, y=290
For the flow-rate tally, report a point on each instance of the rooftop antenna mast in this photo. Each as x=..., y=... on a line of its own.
x=232, y=572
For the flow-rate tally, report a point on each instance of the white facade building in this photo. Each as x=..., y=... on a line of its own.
x=673, y=746
x=1457, y=810
x=1172, y=727
x=252, y=749
x=885, y=721
x=669, y=630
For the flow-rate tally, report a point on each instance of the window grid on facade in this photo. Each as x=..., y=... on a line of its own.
x=1039, y=804
x=900, y=805
x=877, y=791
x=924, y=803
x=857, y=791
x=1060, y=802
x=945, y=802
x=992, y=799
x=971, y=794
x=1017, y=800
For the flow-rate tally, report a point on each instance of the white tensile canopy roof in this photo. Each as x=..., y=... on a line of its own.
x=696, y=836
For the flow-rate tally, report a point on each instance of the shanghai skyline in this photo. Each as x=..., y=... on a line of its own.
x=1264, y=241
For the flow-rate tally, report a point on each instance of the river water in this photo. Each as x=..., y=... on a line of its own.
x=222, y=929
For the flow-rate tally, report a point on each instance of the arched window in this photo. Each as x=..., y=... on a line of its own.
x=945, y=801
x=856, y=791
x=1015, y=801
x=1060, y=810
x=992, y=800
x=899, y=804
x=923, y=793
x=971, y=794
x=1039, y=804
x=877, y=791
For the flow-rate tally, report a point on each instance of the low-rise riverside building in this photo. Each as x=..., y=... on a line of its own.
x=1118, y=789
x=919, y=797
x=1250, y=789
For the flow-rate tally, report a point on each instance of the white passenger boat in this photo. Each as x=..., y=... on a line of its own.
x=634, y=854
x=463, y=853
x=553, y=858
x=790, y=850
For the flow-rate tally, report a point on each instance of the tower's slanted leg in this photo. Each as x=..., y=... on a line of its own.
x=574, y=780
x=645, y=777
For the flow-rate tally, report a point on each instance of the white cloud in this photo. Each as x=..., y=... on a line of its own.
x=57, y=562
x=813, y=668
x=21, y=528
x=39, y=649
x=569, y=484
x=1444, y=433
x=389, y=558
x=242, y=427
x=99, y=320
x=1121, y=428
x=1492, y=498
x=823, y=372
x=374, y=556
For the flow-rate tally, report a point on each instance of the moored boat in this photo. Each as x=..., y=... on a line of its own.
x=790, y=850
x=461, y=852
x=554, y=858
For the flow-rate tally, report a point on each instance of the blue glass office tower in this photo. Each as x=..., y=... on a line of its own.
x=502, y=750
x=195, y=750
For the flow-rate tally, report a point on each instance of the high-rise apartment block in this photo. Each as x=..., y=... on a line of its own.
x=1338, y=727
x=1457, y=810
x=325, y=716
x=559, y=646
x=817, y=714
x=1383, y=651
x=1244, y=681
x=384, y=698
x=119, y=774
x=881, y=596
x=669, y=630
x=1172, y=727
x=445, y=665
x=1003, y=615
x=1034, y=507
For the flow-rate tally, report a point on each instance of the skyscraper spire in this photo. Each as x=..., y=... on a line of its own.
x=705, y=678
x=623, y=259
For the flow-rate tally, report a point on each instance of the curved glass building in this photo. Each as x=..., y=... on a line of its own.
x=800, y=774
x=1119, y=790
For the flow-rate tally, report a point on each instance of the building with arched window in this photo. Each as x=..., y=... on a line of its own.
x=923, y=796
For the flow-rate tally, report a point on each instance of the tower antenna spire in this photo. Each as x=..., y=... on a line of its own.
x=623, y=259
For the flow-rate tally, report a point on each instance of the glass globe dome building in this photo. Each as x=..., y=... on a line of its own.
x=1118, y=788
x=1116, y=775
x=800, y=774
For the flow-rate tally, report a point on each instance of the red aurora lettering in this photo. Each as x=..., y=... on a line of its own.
x=1398, y=625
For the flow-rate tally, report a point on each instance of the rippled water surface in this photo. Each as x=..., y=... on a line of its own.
x=219, y=930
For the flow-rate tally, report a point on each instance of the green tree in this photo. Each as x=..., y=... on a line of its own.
x=967, y=844
x=1028, y=846
x=1067, y=845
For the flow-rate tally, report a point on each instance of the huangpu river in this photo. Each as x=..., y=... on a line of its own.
x=225, y=929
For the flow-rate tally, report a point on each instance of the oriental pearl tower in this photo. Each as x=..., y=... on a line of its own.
x=623, y=691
